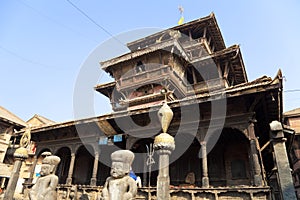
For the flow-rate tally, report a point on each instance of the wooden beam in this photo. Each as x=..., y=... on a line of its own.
x=257, y=99
x=204, y=32
x=226, y=70
x=194, y=75
x=190, y=35
x=265, y=145
x=106, y=128
x=219, y=69
x=209, y=40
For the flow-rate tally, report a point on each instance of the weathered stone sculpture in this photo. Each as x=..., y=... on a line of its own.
x=45, y=186
x=120, y=186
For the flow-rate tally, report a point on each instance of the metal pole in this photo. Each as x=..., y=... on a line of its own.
x=150, y=162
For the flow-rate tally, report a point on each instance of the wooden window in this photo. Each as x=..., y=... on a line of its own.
x=140, y=67
x=238, y=169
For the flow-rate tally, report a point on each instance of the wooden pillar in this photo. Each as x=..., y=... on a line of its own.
x=71, y=168
x=256, y=168
x=95, y=170
x=205, y=179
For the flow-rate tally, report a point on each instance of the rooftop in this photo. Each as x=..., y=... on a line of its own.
x=292, y=113
x=6, y=115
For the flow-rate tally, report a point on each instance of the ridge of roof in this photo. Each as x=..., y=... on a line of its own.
x=209, y=18
x=42, y=119
x=12, y=118
x=295, y=111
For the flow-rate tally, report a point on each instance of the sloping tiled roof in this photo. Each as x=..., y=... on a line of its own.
x=38, y=120
x=155, y=47
x=9, y=117
x=209, y=21
x=292, y=112
x=259, y=85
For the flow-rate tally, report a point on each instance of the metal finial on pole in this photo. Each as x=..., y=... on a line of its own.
x=181, y=10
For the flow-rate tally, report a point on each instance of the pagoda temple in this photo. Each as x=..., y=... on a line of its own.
x=229, y=140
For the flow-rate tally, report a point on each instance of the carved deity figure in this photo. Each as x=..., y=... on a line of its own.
x=45, y=186
x=120, y=186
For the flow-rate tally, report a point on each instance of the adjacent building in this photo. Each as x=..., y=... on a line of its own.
x=9, y=124
x=292, y=120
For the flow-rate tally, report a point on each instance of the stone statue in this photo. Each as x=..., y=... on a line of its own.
x=45, y=186
x=120, y=186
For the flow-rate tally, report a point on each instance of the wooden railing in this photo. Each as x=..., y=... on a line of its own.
x=206, y=86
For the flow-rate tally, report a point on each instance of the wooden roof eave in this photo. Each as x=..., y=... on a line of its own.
x=106, y=88
x=219, y=54
x=103, y=120
x=209, y=21
x=12, y=123
x=138, y=53
x=231, y=53
x=243, y=66
x=219, y=37
x=159, y=34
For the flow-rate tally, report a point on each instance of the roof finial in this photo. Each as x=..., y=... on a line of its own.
x=181, y=10
x=164, y=92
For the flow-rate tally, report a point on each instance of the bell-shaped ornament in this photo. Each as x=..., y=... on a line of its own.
x=165, y=115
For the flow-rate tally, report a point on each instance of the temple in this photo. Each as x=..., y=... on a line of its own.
x=230, y=143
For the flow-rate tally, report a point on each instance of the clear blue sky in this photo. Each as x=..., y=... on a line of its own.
x=44, y=43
